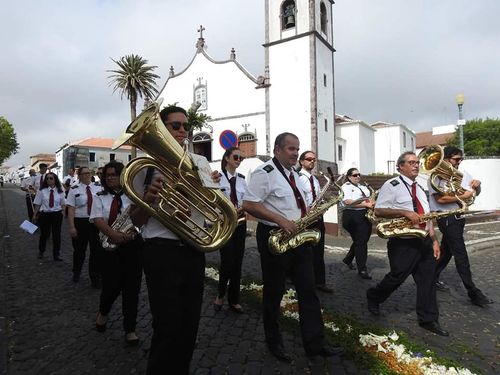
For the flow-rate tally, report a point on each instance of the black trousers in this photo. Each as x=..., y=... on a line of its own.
x=87, y=234
x=29, y=206
x=319, y=254
x=452, y=244
x=174, y=276
x=360, y=229
x=411, y=257
x=122, y=273
x=231, y=258
x=50, y=223
x=299, y=263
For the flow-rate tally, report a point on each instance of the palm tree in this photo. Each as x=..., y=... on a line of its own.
x=134, y=77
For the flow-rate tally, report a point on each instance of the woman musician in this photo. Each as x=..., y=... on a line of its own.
x=121, y=267
x=355, y=222
x=231, y=255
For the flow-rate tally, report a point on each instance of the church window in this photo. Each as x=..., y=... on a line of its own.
x=326, y=125
x=200, y=96
x=111, y=157
x=91, y=156
x=288, y=14
x=404, y=139
x=339, y=153
x=324, y=80
x=323, y=17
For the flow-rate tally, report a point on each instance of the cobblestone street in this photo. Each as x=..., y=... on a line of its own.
x=47, y=322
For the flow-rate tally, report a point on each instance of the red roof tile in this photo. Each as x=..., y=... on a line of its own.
x=426, y=138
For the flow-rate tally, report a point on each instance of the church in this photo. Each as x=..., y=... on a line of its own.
x=295, y=92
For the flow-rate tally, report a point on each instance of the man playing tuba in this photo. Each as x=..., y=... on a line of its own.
x=174, y=269
x=452, y=228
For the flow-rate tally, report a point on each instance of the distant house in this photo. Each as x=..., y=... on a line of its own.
x=439, y=135
x=49, y=159
x=89, y=152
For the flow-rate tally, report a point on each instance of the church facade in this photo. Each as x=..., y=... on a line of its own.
x=295, y=93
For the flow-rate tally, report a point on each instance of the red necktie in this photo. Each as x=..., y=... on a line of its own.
x=420, y=209
x=89, y=200
x=113, y=212
x=51, y=198
x=234, y=198
x=298, y=198
x=311, y=180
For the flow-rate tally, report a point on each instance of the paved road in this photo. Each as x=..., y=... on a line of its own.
x=49, y=320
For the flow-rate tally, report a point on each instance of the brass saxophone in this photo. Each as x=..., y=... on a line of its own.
x=403, y=227
x=123, y=223
x=280, y=241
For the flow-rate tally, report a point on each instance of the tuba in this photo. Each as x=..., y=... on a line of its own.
x=280, y=242
x=432, y=163
x=202, y=217
x=123, y=223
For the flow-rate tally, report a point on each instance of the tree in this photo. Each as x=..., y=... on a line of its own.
x=8, y=141
x=134, y=78
x=481, y=137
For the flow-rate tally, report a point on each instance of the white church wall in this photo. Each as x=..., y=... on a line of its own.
x=289, y=94
x=366, y=150
x=301, y=20
x=387, y=148
x=350, y=157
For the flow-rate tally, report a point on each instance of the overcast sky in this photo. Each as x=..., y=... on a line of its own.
x=397, y=60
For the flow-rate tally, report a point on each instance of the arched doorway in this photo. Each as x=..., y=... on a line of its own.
x=202, y=145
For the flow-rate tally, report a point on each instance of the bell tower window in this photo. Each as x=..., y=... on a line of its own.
x=200, y=94
x=323, y=17
x=288, y=11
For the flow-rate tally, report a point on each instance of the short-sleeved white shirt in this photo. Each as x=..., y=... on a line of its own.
x=42, y=199
x=355, y=192
x=241, y=186
x=306, y=185
x=77, y=198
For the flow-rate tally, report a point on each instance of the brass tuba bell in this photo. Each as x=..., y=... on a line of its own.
x=202, y=217
x=432, y=163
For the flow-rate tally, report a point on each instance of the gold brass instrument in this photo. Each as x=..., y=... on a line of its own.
x=432, y=163
x=370, y=212
x=202, y=217
x=403, y=227
x=280, y=241
x=123, y=223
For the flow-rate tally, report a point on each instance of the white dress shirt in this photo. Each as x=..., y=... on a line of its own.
x=42, y=199
x=241, y=186
x=77, y=198
x=355, y=192
x=305, y=177
x=101, y=206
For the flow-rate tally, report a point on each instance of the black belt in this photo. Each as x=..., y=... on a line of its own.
x=165, y=241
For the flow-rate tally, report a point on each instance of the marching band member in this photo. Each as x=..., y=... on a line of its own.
x=174, y=270
x=39, y=177
x=231, y=255
x=275, y=197
x=401, y=197
x=83, y=233
x=312, y=189
x=355, y=222
x=121, y=267
x=28, y=186
x=452, y=228
x=48, y=205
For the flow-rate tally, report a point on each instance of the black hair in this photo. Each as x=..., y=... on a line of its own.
x=228, y=153
x=171, y=109
x=303, y=155
x=280, y=139
x=42, y=165
x=80, y=170
x=450, y=151
x=56, y=181
x=349, y=174
x=117, y=166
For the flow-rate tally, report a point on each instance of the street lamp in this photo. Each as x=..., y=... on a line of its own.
x=460, y=99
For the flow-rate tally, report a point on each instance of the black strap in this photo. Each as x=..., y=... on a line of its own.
x=361, y=190
x=296, y=192
x=414, y=201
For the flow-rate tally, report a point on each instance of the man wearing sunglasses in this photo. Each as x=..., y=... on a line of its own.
x=174, y=270
x=452, y=228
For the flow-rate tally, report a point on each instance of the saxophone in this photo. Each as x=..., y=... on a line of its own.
x=280, y=241
x=403, y=227
x=123, y=223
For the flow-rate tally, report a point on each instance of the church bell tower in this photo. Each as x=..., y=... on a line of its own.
x=300, y=65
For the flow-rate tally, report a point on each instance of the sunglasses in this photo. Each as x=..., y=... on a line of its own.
x=356, y=175
x=457, y=159
x=310, y=159
x=238, y=157
x=176, y=125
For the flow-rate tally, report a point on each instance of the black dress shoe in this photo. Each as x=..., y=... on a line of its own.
x=373, y=307
x=434, y=327
x=131, y=339
x=100, y=327
x=280, y=354
x=324, y=288
x=237, y=310
x=349, y=265
x=442, y=287
x=364, y=275
x=326, y=351
x=479, y=299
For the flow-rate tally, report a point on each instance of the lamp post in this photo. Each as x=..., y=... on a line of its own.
x=460, y=99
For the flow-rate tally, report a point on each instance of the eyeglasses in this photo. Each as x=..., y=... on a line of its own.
x=457, y=159
x=110, y=175
x=49, y=178
x=238, y=157
x=310, y=159
x=176, y=125
x=355, y=175
x=412, y=162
